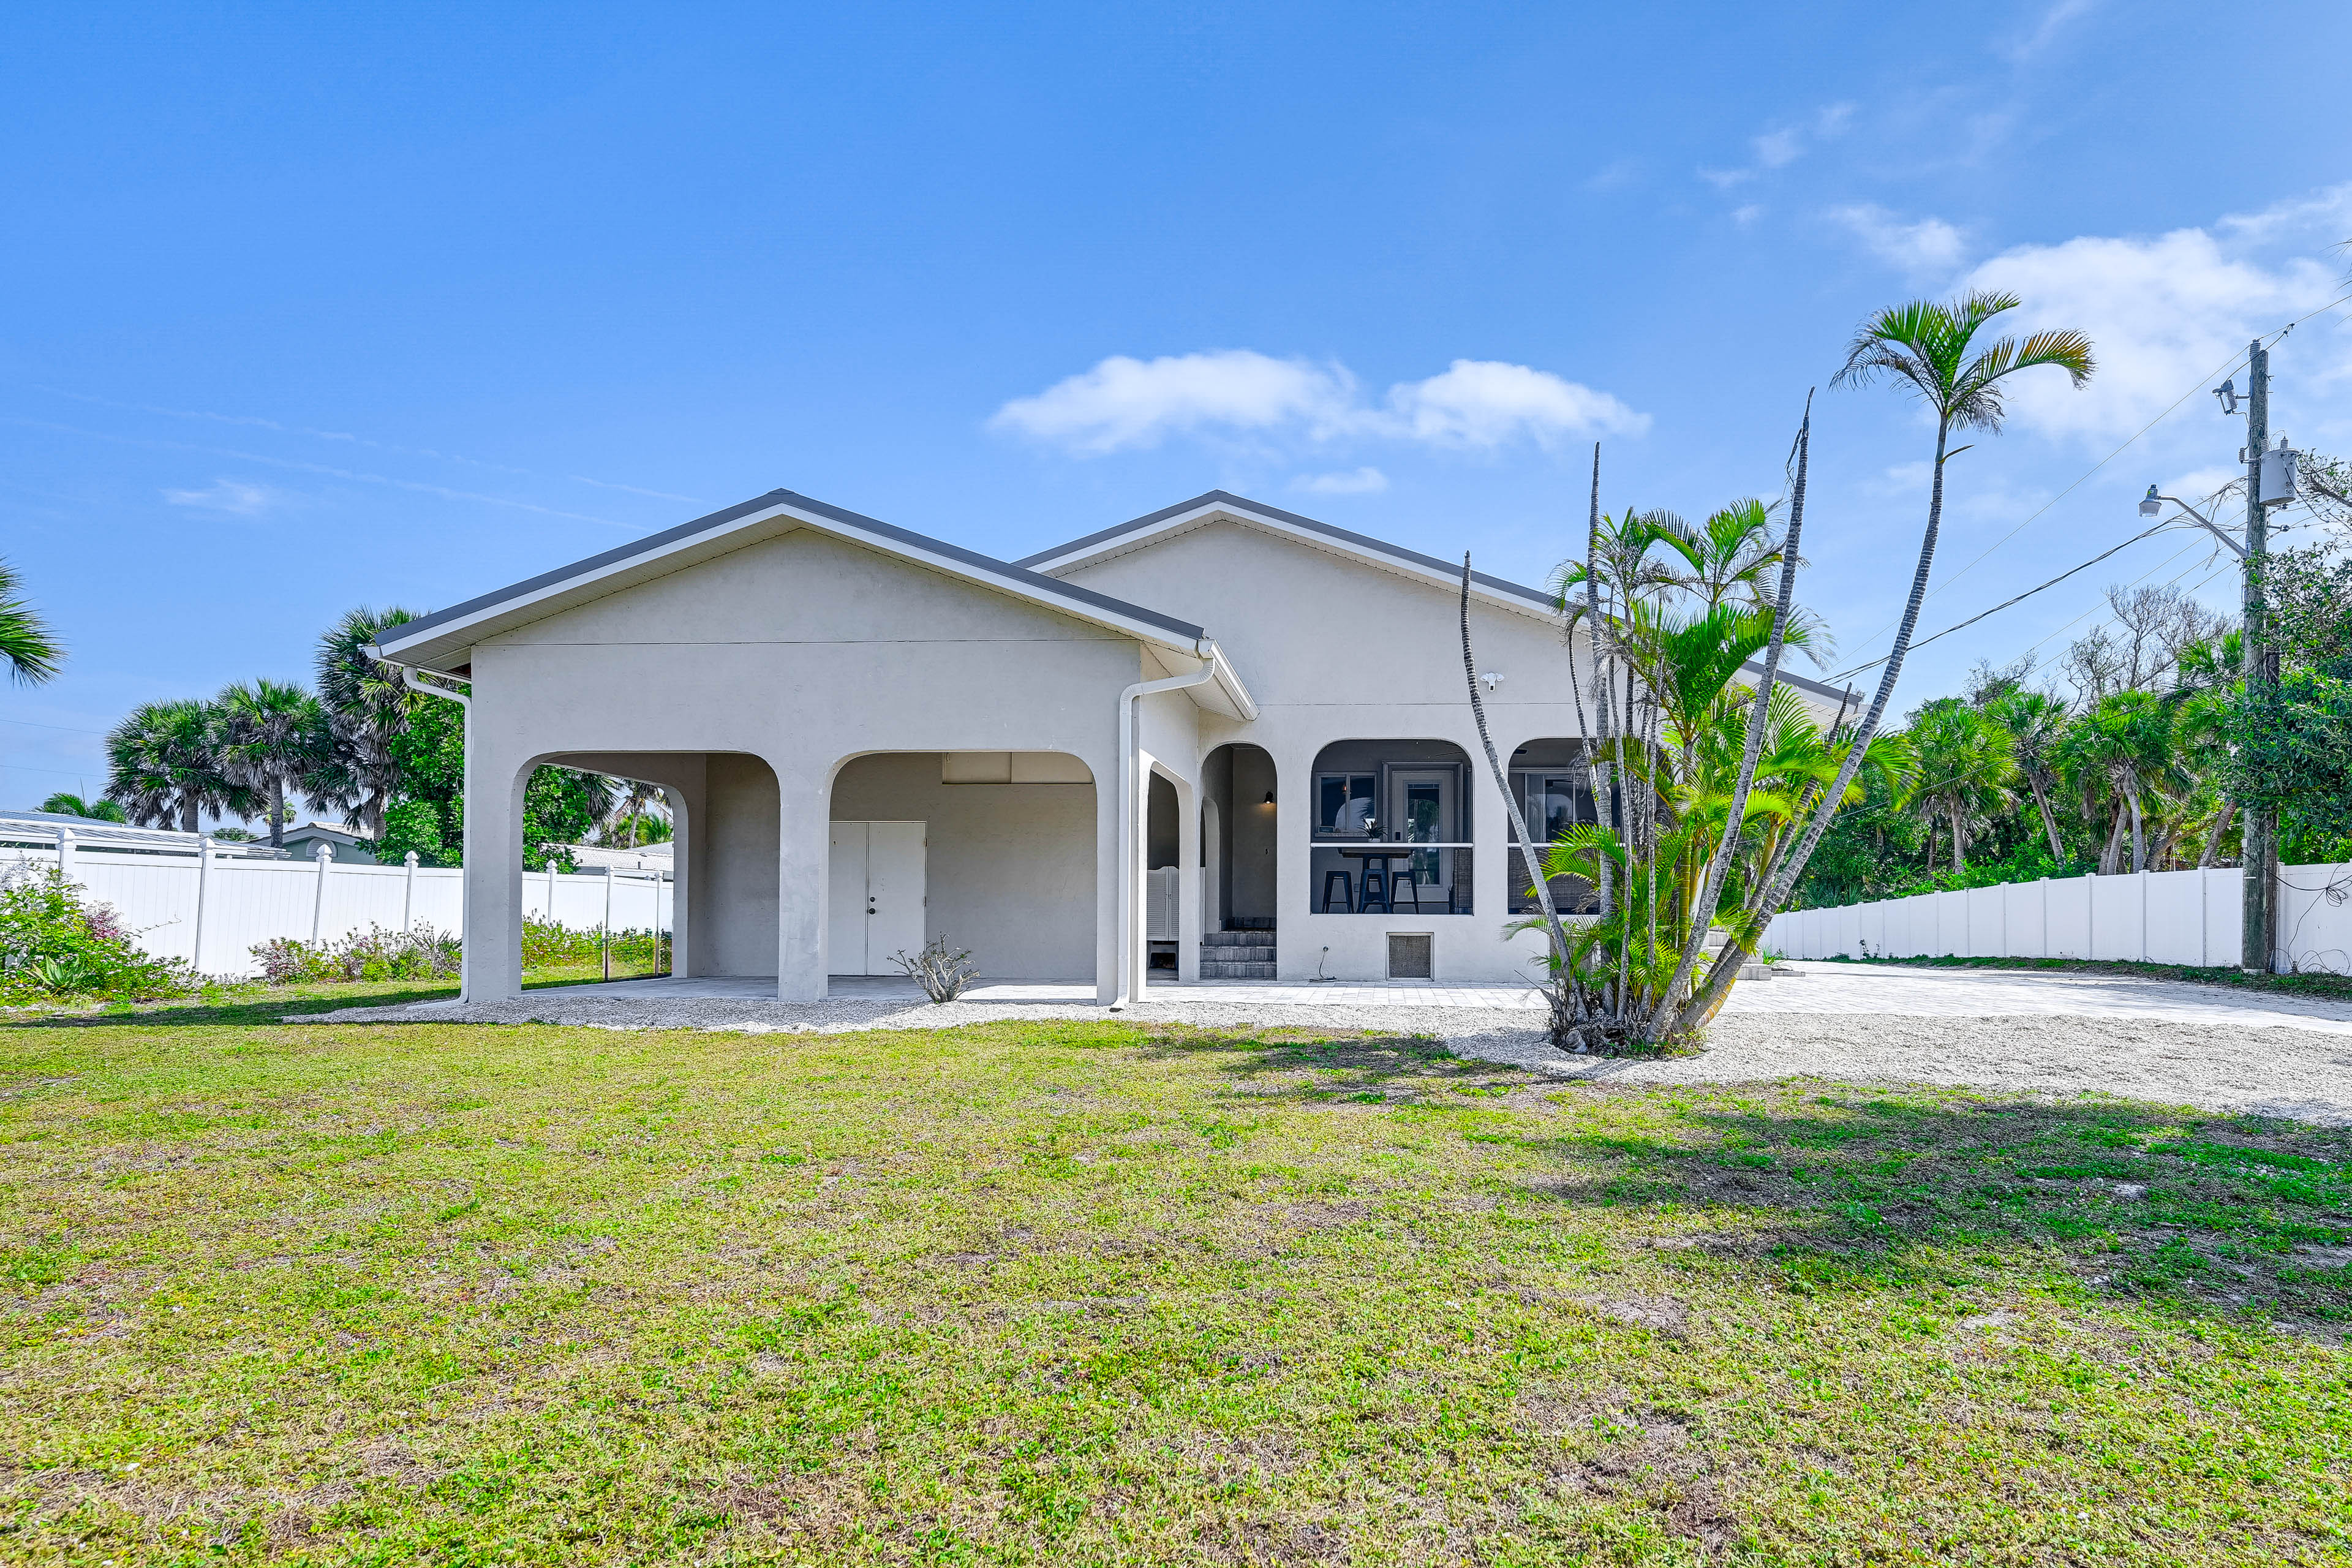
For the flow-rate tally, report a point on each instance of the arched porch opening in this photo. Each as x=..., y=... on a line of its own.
x=1553, y=785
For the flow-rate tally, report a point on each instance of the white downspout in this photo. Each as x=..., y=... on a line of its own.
x=1129, y=851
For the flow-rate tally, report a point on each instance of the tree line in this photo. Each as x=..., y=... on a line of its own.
x=2140, y=748
x=358, y=744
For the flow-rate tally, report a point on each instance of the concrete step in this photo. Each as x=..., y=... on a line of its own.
x=1238, y=938
x=1213, y=970
x=1237, y=953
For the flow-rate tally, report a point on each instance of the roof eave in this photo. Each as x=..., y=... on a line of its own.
x=1484, y=587
x=444, y=639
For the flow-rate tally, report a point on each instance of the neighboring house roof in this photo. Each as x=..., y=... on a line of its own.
x=660, y=857
x=1219, y=505
x=339, y=832
x=441, y=640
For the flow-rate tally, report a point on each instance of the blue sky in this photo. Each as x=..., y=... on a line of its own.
x=306, y=309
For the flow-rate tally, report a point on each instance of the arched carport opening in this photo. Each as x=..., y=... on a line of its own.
x=726, y=819
x=992, y=852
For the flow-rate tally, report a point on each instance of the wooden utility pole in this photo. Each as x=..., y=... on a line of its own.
x=2260, y=828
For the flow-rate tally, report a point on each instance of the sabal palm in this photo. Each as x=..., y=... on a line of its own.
x=2125, y=749
x=273, y=735
x=165, y=767
x=32, y=651
x=1966, y=763
x=2035, y=723
x=367, y=710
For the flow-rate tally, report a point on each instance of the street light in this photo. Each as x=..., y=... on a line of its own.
x=2152, y=504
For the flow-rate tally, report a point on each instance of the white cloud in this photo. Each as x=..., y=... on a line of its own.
x=1352, y=482
x=231, y=496
x=1486, y=403
x=1125, y=402
x=1783, y=145
x=1929, y=246
x=2163, y=314
x=1744, y=215
x=1777, y=149
x=2045, y=31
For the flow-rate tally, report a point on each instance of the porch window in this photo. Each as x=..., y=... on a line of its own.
x=1553, y=799
x=1390, y=835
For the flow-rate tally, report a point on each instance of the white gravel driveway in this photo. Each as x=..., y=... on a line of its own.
x=2036, y=1031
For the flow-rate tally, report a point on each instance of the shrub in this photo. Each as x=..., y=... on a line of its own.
x=375, y=953
x=54, y=943
x=942, y=975
x=547, y=945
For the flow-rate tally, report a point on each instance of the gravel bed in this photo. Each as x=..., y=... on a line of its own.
x=2303, y=1074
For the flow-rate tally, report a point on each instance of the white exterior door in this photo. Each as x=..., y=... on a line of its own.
x=876, y=880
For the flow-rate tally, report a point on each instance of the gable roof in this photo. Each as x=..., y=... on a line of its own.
x=1212, y=505
x=443, y=639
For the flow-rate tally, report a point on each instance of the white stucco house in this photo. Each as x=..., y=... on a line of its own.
x=1223, y=737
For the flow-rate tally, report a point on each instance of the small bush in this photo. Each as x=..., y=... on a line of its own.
x=942, y=974
x=54, y=943
x=375, y=953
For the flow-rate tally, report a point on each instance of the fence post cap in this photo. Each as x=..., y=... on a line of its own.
x=409, y=859
x=322, y=850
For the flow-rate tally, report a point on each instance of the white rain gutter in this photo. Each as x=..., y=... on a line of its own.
x=1130, y=764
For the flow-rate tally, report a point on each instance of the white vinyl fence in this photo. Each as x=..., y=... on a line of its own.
x=212, y=906
x=2154, y=917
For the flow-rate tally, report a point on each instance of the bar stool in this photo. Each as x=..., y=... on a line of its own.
x=1404, y=886
x=1346, y=890
x=1376, y=886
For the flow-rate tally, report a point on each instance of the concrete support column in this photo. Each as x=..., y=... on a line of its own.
x=803, y=856
x=493, y=933
x=1188, y=881
x=1293, y=831
x=1107, y=853
x=1490, y=833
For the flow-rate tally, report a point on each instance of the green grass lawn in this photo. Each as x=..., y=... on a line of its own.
x=1087, y=1293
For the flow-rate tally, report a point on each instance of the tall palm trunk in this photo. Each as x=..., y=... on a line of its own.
x=2139, y=836
x=277, y=813
x=1774, y=888
x=2110, y=858
x=2220, y=830
x=2049, y=822
x=1959, y=837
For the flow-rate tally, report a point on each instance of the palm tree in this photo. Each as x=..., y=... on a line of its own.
x=634, y=803
x=2035, y=723
x=1925, y=345
x=273, y=735
x=1965, y=762
x=66, y=803
x=31, y=649
x=165, y=767
x=2125, y=751
x=367, y=708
